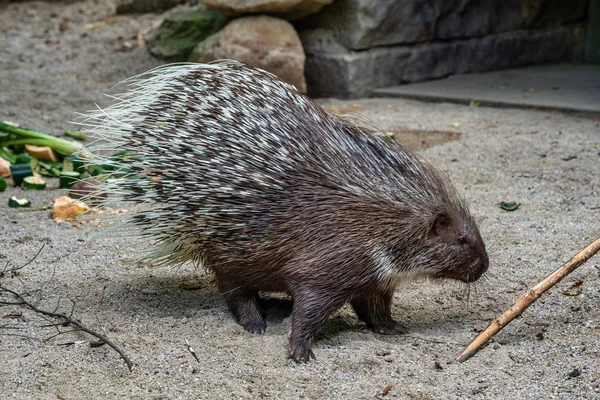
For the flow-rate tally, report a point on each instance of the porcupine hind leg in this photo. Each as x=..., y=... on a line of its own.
x=376, y=311
x=311, y=310
x=243, y=304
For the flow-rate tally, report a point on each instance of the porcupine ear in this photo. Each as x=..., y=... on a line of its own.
x=444, y=228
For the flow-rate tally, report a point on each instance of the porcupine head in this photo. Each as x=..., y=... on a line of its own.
x=234, y=169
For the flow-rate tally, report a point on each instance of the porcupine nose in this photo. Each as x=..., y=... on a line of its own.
x=478, y=268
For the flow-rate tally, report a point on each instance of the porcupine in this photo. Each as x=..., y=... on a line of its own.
x=234, y=169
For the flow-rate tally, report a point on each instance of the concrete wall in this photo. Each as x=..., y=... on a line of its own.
x=354, y=46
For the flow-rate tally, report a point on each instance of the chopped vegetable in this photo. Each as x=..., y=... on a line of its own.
x=8, y=155
x=75, y=135
x=96, y=170
x=12, y=135
x=509, y=206
x=68, y=179
x=13, y=202
x=4, y=168
x=74, y=163
x=42, y=153
x=46, y=168
x=3, y=184
x=19, y=172
x=67, y=208
x=34, y=182
x=23, y=158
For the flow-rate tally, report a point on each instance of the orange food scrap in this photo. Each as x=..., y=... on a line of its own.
x=65, y=208
x=42, y=153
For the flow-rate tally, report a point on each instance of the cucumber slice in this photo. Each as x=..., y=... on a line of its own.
x=68, y=179
x=23, y=158
x=19, y=172
x=13, y=202
x=33, y=182
x=3, y=184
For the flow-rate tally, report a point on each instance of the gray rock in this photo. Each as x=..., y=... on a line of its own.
x=362, y=24
x=334, y=71
x=181, y=31
x=265, y=42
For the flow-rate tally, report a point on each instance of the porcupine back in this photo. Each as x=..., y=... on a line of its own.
x=226, y=156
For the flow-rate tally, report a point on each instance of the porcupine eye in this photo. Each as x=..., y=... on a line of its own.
x=462, y=240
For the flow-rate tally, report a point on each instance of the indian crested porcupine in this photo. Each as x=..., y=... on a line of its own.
x=234, y=169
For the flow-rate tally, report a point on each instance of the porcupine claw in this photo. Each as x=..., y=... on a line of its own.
x=392, y=328
x=301, y=353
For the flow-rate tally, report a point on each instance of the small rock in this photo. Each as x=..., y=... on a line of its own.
x=290, y=9
x=63, y=25
x=265, y=42
x=88, y=188
x=149, y=292
x=575, y=373
x=146, y=6
x=591, y=324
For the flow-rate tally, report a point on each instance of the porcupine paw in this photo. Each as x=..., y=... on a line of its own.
x=301, y=352
x=255, y=326
x=389, y=328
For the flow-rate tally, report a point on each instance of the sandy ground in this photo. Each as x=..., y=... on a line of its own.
x=548, y=161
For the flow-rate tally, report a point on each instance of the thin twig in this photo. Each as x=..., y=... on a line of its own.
x=431, y=340
x=15, y=269
x=10, y=327
x=71, y=321
x=527, y=299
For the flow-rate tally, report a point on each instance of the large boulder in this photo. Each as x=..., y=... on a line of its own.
x=181, y=31
x=265, y=42
x=363, y=24
x=290, y=9
x=334, y=70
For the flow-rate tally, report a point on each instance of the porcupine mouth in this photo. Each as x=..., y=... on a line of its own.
x=474, y=271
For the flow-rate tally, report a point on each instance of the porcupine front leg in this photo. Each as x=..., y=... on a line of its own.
x=376, y=311
x=311, y=310
x=243, y=304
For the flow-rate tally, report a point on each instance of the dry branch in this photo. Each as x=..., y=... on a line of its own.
x=66, y=320
x=527, y=299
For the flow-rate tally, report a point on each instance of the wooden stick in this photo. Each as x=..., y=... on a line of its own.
x=527, y=299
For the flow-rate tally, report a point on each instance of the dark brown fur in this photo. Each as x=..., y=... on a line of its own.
x=321, y=257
